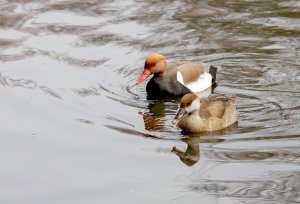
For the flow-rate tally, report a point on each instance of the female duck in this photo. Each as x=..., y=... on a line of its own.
x=176, y=79
x=206, y=114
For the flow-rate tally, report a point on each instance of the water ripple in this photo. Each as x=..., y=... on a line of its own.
x=292, y=155
x=273, y=188
x=28, y=84
x=88, y=55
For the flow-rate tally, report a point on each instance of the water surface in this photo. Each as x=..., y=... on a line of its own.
x=75, y=130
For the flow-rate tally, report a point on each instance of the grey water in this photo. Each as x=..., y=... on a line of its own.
x=75, y=129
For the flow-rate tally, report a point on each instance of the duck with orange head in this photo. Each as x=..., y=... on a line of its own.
x=176, y=79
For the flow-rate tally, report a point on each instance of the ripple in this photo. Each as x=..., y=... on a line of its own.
x=128, y=89
x=274, y=188
x=290, y=4
x=271, y=155
x=102, y=38
x=81, y=63
x=85, y=121
x=284, y=23
x=57, y=43
x=87, y=54
x=11, y=20
x=131, y=131
x=28, y=84
x=200, y=10
x=50, y=92
x=12, y=54
x=66, y=18
x=12, y=35
x=131, y=29
x=87, y=92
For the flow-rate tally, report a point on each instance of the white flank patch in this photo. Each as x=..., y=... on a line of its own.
x=203, y=82
x=180, y=77
x=205, y=93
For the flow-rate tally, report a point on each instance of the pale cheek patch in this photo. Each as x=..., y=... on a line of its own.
x=195, y=105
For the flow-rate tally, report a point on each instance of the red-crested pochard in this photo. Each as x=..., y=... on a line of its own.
x=176, y=79
x=206, y=114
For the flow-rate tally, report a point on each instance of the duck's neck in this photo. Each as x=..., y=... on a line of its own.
x=195, y=115
x=191, y=121
x=161, y=68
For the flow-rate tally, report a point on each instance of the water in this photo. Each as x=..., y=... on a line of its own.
x=74, y=129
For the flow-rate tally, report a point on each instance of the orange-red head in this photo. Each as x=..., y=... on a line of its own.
x=155, y=63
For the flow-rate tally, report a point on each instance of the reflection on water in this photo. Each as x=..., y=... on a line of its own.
x=192, y=153
x=70, y=110
x=229, y=170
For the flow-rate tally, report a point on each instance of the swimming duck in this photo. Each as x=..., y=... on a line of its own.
x=176, y=79
x=206, y=114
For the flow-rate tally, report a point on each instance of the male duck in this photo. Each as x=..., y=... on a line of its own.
x=206, y=114
x=176, y=79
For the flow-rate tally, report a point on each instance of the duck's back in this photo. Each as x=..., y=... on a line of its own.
x=219, y=112
x=190, y=71
x=194, y=76
x=230, y=113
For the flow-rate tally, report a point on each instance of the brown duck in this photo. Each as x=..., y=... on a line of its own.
x=206, y=114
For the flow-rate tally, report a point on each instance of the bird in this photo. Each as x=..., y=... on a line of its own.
x=206, y=114
x=176, y=79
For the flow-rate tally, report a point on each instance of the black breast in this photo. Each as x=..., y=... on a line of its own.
x=161, y=87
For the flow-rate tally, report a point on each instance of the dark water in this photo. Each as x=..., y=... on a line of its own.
x=74, y=130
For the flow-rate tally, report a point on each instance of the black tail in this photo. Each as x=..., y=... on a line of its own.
x=213, y=73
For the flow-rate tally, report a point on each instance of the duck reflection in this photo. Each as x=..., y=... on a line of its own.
x=155, y=117
x=191, y=155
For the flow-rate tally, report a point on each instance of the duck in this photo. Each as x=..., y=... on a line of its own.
x=206, y=114
x=176, y=79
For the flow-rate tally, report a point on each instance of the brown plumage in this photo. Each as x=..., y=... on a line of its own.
x=206, y=114
x=190, y=70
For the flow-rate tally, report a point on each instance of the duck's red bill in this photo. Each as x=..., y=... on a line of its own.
x=143, y=76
